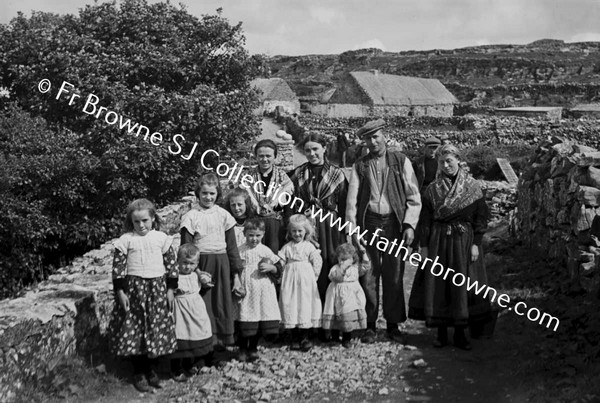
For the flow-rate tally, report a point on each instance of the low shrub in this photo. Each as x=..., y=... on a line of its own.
x=482, y=159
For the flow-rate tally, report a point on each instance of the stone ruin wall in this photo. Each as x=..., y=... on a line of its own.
x=558, y=198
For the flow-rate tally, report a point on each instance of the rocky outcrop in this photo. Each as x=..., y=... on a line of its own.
x=558, y=198
x=67, y=314
x=541, y=73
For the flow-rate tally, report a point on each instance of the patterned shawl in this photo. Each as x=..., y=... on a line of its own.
x=448, y=198
x=331, y=178
x=280, y=183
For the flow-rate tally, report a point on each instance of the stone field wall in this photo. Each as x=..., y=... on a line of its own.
x=558, y=198
x=65, y=315
x=468, y=130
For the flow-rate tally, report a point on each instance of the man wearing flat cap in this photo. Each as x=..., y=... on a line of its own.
x=425, y=166
x=383, y=198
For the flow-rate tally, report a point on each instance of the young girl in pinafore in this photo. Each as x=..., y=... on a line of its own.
x=192, y=324
x=299, y=300
x=345, y=300
x=141, y=326
x=211, y=229
x=239, y=205
x=257, y=312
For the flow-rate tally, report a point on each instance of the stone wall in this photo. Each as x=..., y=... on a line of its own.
x=501, y=198
x=558, y=198
x=469, y=130
x=65, y=315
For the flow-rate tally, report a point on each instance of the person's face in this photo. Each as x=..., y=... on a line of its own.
x=297, y=233
x=142, y=221
x=265, y=157
x=188, y=265
x=430, y=150
x=207, y=196
x=314, y=153
x=449, y=164
x=376, y=142
x=237, y=204
x=253, y=237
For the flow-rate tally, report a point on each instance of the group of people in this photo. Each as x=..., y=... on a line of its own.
x=250, y=266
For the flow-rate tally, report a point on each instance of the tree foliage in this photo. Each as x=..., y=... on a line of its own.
x=68, y=174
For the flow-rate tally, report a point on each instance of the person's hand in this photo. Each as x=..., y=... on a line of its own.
x=408, y=236
x=123, y=300
x=359, y=244
x=170, y=299
x=474, y=253
x=205, y=279
x=238, y=289
x=265, y=266
x=344, y=264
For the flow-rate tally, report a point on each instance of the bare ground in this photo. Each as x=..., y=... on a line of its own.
x=523, y=362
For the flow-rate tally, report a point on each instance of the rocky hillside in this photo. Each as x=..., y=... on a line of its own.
x=545, y=72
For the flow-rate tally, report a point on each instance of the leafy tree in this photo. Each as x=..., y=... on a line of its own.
x=154, y=64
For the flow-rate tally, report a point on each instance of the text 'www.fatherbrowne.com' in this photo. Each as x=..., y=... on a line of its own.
x=437, y=269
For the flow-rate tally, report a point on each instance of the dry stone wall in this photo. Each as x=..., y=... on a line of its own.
x=469, y=130
x=65, y=315
x=558, y=198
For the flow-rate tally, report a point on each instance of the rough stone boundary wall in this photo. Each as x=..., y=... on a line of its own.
x=558, y=198
x=65, y=315
x=469, y=130
x=69, y=313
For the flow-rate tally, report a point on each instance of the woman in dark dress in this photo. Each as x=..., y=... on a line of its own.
x=453, y=221
x=321, y=185
x=270, y=183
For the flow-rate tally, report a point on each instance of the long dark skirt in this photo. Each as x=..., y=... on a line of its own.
x=439, y=301
x=329, y=239
x=264, y=327
x=274, y=234
x=193, y=348
x=148, y=328
x=218, y=299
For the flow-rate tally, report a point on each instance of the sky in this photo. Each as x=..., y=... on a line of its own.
x=300, y=27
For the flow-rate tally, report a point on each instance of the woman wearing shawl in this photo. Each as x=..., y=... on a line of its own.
x=323, y=186
x=453, y=221
x=270, y=183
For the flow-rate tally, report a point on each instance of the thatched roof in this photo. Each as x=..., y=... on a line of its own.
x=274, y=89
x=388, y=89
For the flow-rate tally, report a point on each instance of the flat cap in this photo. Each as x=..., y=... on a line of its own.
x=370, y=127
x=432, y=141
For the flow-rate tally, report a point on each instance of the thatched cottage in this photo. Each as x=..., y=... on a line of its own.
x=371, y=93
x=275, y=92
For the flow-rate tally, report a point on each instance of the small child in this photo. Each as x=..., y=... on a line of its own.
x=192, y=324
x=345, y=299
x=299, y=300
x=211, y=229
x=258, y=309
x=239, y=205
x=141, y=326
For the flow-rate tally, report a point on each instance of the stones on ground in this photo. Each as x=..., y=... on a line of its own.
x=281, y=374
x=420, y=363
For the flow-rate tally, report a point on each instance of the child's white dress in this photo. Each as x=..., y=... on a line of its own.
x=299, y=298
x=344, y=301
x=260, y=302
